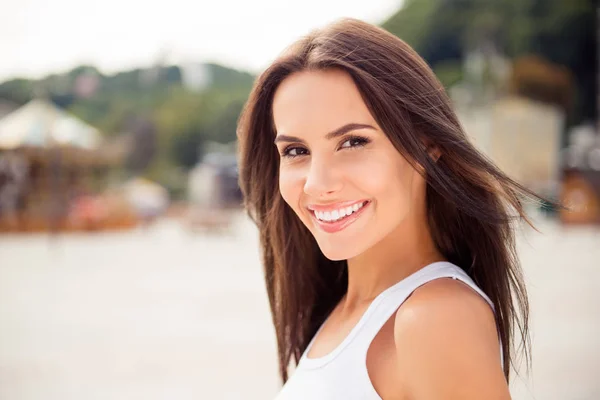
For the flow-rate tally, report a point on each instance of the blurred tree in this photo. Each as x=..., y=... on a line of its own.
x=182, y=122
x=228, y=79
x=562, y=32
x=172, y=75
x=566, y=35
x=223, y=128
x=449, y=72
x=181, y=119
x=93, y=110
x=82, y=69
x=18, y=91
x=537, y=79
x=186, y=146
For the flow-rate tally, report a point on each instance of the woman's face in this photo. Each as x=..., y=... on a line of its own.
x=338, y=171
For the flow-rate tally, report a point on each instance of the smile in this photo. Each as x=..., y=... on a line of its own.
x=333, y=219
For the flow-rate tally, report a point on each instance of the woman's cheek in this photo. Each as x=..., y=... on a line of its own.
x=290, y=186
x=368, y=174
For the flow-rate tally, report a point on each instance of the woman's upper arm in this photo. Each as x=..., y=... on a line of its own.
x=447, y=345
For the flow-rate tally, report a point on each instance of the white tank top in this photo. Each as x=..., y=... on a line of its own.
x=342, y=374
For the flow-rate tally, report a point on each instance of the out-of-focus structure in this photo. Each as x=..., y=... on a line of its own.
x=517, y=118
x=581, y=181
x=52, y=168
x=522, y=137
x=213, y=190
x=523, y=77
x=41, y=124
x=148, y=199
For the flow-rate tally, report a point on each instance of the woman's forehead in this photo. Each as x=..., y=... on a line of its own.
x=320, y=101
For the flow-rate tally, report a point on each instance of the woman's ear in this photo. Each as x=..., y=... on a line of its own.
x=434, y=153
x=432, y=150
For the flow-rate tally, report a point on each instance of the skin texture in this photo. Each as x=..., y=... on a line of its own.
x=442, y=342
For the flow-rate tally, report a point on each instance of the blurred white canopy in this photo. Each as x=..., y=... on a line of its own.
x=40, y=123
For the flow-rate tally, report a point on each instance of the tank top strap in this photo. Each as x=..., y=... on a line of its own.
x=395, y=296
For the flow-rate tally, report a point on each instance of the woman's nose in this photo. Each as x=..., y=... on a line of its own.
x=321, y=179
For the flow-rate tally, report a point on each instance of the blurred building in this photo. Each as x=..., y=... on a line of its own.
x=49, y=160
x=40, y=123
x=213, y=189
x=581, y=181
x=521, y=136
x=213, y=182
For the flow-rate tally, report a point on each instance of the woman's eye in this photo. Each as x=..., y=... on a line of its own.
x=354, y=142
x=294, y=152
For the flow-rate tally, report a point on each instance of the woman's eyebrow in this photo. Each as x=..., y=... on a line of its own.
x=286, y=138
x=331, y=135
x=345, y=129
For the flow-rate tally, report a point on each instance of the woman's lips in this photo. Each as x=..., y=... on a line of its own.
x=342, y=223
x=334, y=206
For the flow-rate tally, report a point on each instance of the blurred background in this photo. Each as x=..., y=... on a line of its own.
x=128, y=269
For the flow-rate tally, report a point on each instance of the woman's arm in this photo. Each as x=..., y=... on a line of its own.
x=447, y=345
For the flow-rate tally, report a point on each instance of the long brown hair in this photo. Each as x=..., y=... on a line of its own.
x=471, y=203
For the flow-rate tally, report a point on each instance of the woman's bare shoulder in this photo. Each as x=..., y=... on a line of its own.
x=447, y=344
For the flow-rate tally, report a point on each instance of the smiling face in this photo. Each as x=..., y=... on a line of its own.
x=338, y=171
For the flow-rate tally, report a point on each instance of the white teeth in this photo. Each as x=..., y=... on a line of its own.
x=335, y=215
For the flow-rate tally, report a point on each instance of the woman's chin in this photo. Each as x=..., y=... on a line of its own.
x=339, y=253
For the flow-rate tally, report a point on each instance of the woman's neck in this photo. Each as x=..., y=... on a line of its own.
x=406, y=250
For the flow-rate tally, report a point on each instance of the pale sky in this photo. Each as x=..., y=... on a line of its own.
x=38, y=37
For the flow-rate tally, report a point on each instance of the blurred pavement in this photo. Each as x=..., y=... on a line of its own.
x=168, y=314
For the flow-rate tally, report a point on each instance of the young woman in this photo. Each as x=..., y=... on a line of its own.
x=386, y=236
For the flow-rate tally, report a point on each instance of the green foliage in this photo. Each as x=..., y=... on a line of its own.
x=223, y=128
x=442, y=31
x=412, y=23
x=449, y=72
x=560, y=31
x=18, y=91
x=184, y=119
x=186, y=146
x=187, y=119
x=229, y=79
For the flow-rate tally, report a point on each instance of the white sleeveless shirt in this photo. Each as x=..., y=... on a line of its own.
x=342, y=374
